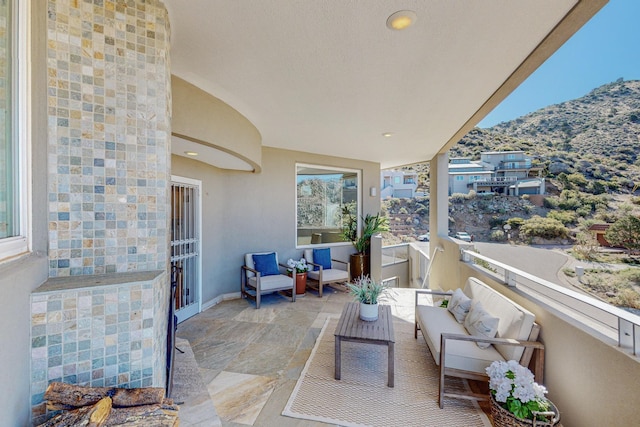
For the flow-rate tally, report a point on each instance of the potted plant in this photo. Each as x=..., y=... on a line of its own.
x=367, y=292
x=371, y=225
x=300, y=267
x=516, y=400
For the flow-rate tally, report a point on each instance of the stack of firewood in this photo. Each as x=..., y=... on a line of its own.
x=108, y=406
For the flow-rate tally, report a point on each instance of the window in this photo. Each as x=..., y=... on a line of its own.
x=13, y=212
x=322, y=193
x=459, y=178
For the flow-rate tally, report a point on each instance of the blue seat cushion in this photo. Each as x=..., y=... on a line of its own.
x=266, y=264
x=322, y=257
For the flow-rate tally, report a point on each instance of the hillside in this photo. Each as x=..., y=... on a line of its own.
x=594, y=139
x=597, y=135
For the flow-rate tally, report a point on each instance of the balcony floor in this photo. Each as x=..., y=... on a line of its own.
x=264, y=352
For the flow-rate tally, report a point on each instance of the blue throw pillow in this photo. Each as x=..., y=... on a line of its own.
x=322, y=257
x=266, y=264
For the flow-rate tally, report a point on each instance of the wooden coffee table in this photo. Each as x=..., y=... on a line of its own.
x=351, y=328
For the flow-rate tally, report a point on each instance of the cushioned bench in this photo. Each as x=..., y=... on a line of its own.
x=476, y=317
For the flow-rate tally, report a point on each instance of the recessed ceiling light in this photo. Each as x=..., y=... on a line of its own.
x=401, y=20
x=387, y=134
x=191, y=153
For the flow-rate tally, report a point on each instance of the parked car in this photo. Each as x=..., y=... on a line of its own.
x=463, y=235
x=423, y=237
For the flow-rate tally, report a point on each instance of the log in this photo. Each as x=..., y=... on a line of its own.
x=160, y=415
x=87, y=416
x=68, y=396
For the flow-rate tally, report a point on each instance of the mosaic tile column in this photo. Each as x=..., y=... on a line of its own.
x=109, y=136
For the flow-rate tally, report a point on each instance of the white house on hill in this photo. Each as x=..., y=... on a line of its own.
x=506, y=172
x=400, y=184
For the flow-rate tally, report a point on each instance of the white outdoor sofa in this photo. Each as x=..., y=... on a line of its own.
x=456, y=351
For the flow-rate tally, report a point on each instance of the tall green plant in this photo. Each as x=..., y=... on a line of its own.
x=371, y=224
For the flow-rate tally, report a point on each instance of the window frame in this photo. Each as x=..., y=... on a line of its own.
x=20, y=122
x=359, y=202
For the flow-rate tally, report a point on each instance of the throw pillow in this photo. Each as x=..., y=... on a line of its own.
x=322, y=257
x=266, y=264
x=459, y=305
x=479, y=323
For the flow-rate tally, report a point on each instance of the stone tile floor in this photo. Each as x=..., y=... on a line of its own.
x=249, y=360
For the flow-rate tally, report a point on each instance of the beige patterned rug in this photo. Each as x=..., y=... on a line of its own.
x=362, y=398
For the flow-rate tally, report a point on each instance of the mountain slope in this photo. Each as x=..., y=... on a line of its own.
x=597, y=135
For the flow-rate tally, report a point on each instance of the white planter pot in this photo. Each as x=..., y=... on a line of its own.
x=368, y=312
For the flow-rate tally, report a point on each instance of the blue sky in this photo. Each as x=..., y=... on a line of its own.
x=603, y=50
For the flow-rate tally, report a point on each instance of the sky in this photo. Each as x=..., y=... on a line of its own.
x=603, y=50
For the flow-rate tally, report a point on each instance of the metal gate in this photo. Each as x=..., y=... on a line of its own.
x=185, y=245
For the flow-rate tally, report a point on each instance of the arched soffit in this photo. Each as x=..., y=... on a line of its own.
x=220, y=135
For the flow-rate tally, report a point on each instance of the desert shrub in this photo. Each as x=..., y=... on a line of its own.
x=596, y=187
x=628, y=298
x=525, y=197
x=630, y=275
x=546, y=228
x=577, y=179
x=496, y=221
x=565, y=217
x=457, y=198
x=550, y=202
x=635, y=200
x=498, y=236
x=403, y=210
x=471, y=195
x=394, y=204
x=584, y=211
x=595, y=201
x=606, y=215
x=570, y=203
x=515, y=222
x=625, y=233
x=422, y=211
x=586, y=247
x=563, y=178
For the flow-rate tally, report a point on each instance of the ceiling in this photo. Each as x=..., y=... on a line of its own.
x=329, y=77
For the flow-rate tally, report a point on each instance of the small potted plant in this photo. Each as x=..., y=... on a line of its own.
x=516, y=400
x=368, y=292
x=300, y=268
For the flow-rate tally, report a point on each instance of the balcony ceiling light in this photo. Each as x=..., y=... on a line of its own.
x=401, y=20
x=191, y=153
x=387, y=134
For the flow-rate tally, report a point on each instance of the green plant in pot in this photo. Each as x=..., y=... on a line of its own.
x=371, y=225
x=367, y=292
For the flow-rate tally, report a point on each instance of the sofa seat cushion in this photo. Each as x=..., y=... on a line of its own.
x=274, y=282
x=515, y=321
x=331, y=275
x=464, y=355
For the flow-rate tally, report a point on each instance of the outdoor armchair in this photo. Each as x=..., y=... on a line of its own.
x=261, y=274
x=325, y=269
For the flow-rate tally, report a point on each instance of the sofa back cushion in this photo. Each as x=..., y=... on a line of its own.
x=515, y=321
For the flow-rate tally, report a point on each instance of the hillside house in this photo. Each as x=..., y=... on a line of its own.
x=398, y=184
x=505, y=172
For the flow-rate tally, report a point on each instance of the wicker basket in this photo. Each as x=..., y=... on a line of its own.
x=503, y=418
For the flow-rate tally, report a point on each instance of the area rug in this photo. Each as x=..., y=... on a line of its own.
x=362, y=398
